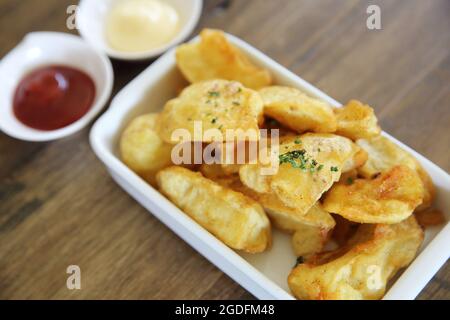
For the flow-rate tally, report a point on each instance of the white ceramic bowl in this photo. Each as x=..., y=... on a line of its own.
x=265, y=274
x=90, y=21
x=39, y=49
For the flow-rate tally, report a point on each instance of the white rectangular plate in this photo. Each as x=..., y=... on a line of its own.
x=265, y=274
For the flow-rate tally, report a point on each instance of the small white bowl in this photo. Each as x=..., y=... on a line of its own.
x=39, y=49
x=90, y=21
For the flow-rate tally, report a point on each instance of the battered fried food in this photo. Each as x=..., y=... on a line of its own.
x=217, y=104
x=235, y=219
x=310, y=230
x=215, y=58
x=309, y=240
x=284, y=218
x=298, y=111
x=357, y=121
x=141, y=148
x=309, y=165
x=389, y=198
x=361, y=269
x=385, y=154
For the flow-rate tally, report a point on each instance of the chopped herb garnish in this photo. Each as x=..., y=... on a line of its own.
x=214, y=120
x=318, y=149
x=208, y=101
x=320, y=167
x=220, y=127
x=334, y=169
x=350, y=180
x=214, y=93
x=298, y=159
x=236, y=103
x=239, y=89
x=297, y=141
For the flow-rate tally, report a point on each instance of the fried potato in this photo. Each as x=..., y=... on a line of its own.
x=309, y=240
x=299, y=187
x=215, y=58
x=384, y=154
x=362, y=269
x=141, y=148
x=235, y=219
x=251, y=177
x=310, y=230
x=357, y=160
x=309, y=165
x=213, y=171
x=296, y=110
x=389, y=198
x=218, y=104
x=357, y=121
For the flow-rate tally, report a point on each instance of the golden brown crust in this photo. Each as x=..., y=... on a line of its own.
x=362, y=269
x=216, y=104
x=385, y=154
x=237, y=220
x=297, y=111
x=215, y=58
x=357, y=121
x=389, y=198
x=141, y=148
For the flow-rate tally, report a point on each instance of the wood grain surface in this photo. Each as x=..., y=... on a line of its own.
x=59, y=206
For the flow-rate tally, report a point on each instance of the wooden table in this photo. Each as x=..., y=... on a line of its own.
x=59, y=206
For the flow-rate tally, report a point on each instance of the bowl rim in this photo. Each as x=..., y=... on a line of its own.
x=103, y=96
x=182, y=34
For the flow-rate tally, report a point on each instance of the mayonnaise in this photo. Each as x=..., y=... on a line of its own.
x=140, y=25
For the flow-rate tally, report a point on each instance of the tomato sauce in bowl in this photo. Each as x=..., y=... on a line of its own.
x=53, y=97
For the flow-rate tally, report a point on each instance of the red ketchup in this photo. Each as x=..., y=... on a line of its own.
x=53, y=97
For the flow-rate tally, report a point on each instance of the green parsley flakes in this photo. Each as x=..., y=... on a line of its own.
x=214, y=94
x=298, y=159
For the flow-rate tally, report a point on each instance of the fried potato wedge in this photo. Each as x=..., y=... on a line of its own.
x=430, y=217
x=237, y=220
x=141, y=148
x=324, y=155
x=362, y=269
x=384, y=154
x=357, y=160
x=356, y=121
x=309, y=240
x=217, y=104
x=298, y=111
x=284, y=218
x=389, y=198
x=309, y=165
x=310, y=230
x=215, y=58
x=213, y=171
